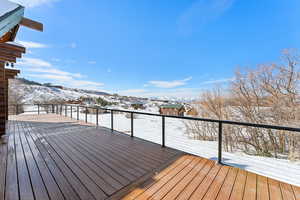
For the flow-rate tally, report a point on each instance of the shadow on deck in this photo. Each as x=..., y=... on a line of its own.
x=54, y=157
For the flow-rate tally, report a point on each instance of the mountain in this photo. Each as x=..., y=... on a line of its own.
x=32, y=91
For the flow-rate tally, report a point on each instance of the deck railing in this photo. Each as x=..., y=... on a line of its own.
x=62, y=109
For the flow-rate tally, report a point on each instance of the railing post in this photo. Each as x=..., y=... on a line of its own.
x=97, y=116
x=163, y=131
x=131, y=124
x=220, y=143
x=66, y=110
x=38, y=109
x=86, y=111
x=77, y=112
x=71, y=112
x=112, y=120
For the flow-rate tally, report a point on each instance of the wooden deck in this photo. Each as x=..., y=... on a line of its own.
x=53, y=157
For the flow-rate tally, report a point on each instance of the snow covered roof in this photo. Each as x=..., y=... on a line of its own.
x=173, y=106
x=10, y=15
x=15, y=44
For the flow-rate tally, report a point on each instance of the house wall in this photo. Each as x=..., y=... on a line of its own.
x=2, y=99
x=137, y=106
x=171, y=111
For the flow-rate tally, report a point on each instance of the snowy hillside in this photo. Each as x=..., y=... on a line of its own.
x=33, y=92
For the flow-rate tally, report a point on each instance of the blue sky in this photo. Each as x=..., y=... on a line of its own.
x=154, y=47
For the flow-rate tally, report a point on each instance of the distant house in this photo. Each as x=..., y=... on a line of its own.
x=73, y=102
x=137, y=105
x=87, y=100
x=172, y=109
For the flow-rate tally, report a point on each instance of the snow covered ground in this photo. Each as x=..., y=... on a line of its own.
x=150, y=128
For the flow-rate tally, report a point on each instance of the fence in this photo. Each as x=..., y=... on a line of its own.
x=74, y=110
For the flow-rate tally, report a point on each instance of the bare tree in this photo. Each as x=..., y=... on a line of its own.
x=15, y=98
x=268, y=94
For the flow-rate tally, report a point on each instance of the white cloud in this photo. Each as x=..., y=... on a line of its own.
x=54, y=71
x=73, y=45
x=178, y=93
x=33, y=62
x=169, y=84
x=34, y=3
x=68, y=80
x=200, y=13
x=29, y=44
x=166, y=91
x=92, y=62
x=44, y=70
x=56, y=78
x=224, y=80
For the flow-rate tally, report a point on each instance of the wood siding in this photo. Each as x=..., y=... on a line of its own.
x=2, y=99
x=172, y=111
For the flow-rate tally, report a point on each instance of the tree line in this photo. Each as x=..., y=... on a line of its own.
x=267, y=94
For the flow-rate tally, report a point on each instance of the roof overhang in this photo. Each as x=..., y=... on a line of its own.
x=10, y=51
x=11, y=73
x=11, y=15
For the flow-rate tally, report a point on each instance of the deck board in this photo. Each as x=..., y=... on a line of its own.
x=91, y=173
x=11, y=186
x=262, y=188
x=53, y=189
x=239, y=185
x=185, y=181
x=216, y=185
x=69, y=192
x=160, y=194
x=24, y=180
x=296, y=192
x=250, y=187
x=274, y=189
x=55, y=157
x=192, y=186
x=227, y=186
x=38, y=186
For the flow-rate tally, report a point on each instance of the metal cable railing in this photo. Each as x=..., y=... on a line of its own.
x=63, y=109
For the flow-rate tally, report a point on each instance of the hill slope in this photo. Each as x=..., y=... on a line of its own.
x=35, y=92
